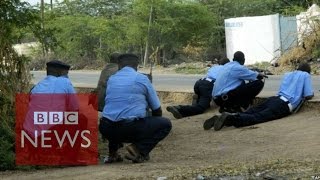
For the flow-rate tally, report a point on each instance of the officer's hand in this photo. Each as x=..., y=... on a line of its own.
x=157, y=112
x=261, y=76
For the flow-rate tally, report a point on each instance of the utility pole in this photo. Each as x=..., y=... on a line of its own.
x=146, y=52
x=42, y=25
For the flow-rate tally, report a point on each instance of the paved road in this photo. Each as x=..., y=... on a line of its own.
x=164, y=82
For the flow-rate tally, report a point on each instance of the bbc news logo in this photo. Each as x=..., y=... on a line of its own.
x=51, y=133
x=55, y=118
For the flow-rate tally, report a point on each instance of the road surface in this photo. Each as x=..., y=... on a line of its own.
x=165, y=82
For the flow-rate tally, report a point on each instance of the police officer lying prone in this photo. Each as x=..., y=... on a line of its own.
x=295, y=88
x=203, y=89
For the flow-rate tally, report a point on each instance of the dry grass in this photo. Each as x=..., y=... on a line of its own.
x=305, y=51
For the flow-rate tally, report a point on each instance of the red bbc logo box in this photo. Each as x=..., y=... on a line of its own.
x=56, y=129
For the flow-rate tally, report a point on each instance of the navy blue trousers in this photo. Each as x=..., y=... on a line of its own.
x=203, y=89
x=271, y=109
x=242, y=96
x=145, y=133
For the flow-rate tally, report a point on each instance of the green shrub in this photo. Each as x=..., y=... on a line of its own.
x=14, y=76
x=13, y=79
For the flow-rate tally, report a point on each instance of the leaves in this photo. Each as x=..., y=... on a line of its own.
x=86, y=31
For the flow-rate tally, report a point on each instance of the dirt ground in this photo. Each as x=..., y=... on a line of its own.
x=283, y=149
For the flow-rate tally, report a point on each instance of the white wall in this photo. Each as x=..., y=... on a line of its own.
x=257, y=37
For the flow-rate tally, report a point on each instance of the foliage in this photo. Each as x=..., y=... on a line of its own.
x=90, y=34
x=84, y=32
x=14, y=76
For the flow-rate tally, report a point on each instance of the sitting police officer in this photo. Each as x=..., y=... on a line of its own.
x=125, y=119
x=54, y=84
x=231, y=92
x=56, y=81
x=295, y=87
x=203, y=89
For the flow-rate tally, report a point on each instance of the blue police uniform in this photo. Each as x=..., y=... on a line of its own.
x=54, y=93
x=51, y=85
x=125, y=119
x=128, y=95
x=214, y=71
x=294, y=87
x=55, y=85
x=231, y=91
x=203, y=89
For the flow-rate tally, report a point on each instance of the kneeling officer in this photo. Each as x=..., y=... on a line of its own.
x=125, y=119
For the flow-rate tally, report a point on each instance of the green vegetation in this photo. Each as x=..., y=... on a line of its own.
x=14, y=76
x=85, y=32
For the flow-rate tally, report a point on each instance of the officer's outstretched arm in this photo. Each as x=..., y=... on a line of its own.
x=308, y=97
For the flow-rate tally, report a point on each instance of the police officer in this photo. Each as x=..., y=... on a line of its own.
x=295, y=87
x=203, y=89
x=231, y=92
x=124, y=119
x=56, y=81
x=59, y=95
x=110, y=69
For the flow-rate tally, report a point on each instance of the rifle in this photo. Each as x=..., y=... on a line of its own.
x=150, y=73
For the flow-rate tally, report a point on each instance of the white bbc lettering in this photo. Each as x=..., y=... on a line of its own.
x=86, y=139
x=46, y=140
x=66, y=133
x=40, y=118
x=71, y=118
x=25, y=135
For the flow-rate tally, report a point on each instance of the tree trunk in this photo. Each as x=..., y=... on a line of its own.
x=146, y=52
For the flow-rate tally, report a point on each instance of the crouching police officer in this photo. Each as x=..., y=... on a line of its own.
x=125, y=120
x=231, y=92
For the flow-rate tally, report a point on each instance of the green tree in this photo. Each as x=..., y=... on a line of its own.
x=174, y=25
x=14, y=76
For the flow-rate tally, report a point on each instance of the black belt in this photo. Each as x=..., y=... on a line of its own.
x=123, y=121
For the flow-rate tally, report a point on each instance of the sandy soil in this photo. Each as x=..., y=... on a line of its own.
x=289, y=147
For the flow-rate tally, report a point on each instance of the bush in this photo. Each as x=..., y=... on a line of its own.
x=14, y=78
